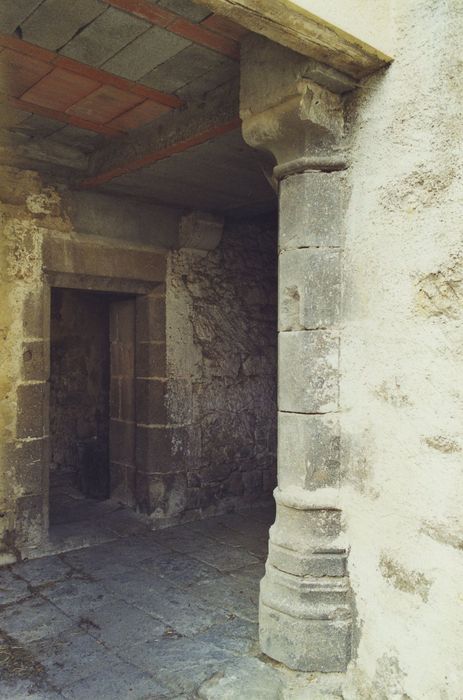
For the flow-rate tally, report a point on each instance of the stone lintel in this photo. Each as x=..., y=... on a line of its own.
x=93, y=258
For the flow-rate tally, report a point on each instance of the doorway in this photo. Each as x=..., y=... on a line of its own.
x=83, y=333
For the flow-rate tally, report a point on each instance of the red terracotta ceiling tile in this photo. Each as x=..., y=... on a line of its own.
x=22, y=71
x=60, y=89
x=104, y=104
x=139, y=115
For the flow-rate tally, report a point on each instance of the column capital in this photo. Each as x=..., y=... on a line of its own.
x=285, y=113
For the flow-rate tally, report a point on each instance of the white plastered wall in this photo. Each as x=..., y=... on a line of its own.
x=367, y=20
x=402, y=363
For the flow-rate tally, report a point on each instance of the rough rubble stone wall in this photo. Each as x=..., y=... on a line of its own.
x=79, y=390
x=221, y=354
x=402, y=364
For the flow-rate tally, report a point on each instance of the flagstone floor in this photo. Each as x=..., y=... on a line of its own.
x=140, y=614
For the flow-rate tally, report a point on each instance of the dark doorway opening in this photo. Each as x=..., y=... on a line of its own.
x=80, y=377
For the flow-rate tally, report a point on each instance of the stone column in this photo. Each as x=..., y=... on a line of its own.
x=305, y=614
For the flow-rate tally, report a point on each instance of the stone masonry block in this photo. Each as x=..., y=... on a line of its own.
x=122, y=359
x=151, y=318
x=310, y=288
x=122, y=483
x=34, y=363
x=23, y=458
x=118, y=481
x=311, y=564
x=161, y=495
x=308, y=372
x=161, y=450
x=30, y=521
x=305, y=644
x=127, y=398
x=30, y=410
x=122, y=441
x=308, y=450
x=305, y=530
x=115, y=398
x=151, y=359
x=100, y=260
x=33, y=315
x=122, y=322
x=164, y=401
x=151, y=403
x=312, y=209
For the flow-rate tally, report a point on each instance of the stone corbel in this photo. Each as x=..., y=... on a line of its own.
x=293, y=122
x=307, y=124
x=200, y=231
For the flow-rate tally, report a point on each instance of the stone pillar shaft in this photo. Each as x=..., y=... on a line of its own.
x=304, y=604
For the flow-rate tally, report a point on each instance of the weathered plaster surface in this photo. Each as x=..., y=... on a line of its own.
x=367, y=21
x=402, y=364
x=221, y=356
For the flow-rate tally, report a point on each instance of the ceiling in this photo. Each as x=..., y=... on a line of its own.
x=83, y=77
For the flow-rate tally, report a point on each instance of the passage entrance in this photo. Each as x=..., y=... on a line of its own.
x=83, y=339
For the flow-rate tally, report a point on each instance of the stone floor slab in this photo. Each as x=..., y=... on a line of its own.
x=225, y=557
x=178, y=568
x=182, y=664
x=123, y=680
x=178, y=609
x=228, y=595
x=42, y=571
x=181, y=539
x=72, y=656
x=244, y=678
x=147, y=615
x=77, y=597
x=236, y=635
x=12, y=588
x=120, y=625
x=32, y=619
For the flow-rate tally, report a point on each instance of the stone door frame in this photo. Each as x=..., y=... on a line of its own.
x=86, y=264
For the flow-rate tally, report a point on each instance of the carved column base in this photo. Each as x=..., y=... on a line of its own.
x=304, y=612
x=304, y=644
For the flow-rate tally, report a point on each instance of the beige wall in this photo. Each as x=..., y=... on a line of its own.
x=402, y=364
x=367, y=20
